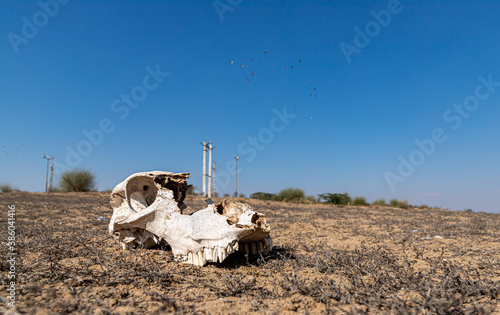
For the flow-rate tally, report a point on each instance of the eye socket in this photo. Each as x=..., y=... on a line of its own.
x=145, y=187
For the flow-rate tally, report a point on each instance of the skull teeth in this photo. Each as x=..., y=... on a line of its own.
x=215, y=254
x=254, y=248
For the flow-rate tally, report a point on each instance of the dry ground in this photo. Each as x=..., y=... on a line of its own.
x=325, y=259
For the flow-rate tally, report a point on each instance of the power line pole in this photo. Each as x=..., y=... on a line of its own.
x=210, y=170
x=204, y=168
x=236, y=188
x=47, y=177
x=215, y=187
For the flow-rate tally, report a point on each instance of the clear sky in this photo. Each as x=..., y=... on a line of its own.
x=404, y=104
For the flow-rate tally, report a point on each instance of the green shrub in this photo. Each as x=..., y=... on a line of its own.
x=403, y=204
x=265, y=196
x=55, y=190
x=337, y=199
x=77, y=180
x=311, y=199
x=7, y=188
x=394, y=202
x=379, y=202
x=359, y=201
x=292, y=194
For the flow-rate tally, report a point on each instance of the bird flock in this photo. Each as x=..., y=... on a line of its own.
x=312, y=93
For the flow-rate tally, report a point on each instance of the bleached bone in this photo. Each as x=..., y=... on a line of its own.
x=147, y=210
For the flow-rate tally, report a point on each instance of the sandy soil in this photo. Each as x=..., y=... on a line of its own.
x=325, y=259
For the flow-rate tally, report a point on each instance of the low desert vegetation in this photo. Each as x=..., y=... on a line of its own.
x=403, y=204
x=379, y=202
x=5, y=188
x=336, y=199
x=359, y=201
x=292, y=194
x=264, y=196
x=77, y=181
x=297, y=195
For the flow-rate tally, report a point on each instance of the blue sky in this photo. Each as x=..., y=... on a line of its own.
x=383, y=74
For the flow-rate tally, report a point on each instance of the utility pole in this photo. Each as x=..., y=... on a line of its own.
x=209, y=170
x=204, y=187
x=51, y=176
x=215, y=187
x=47, y=177
x=236, y=188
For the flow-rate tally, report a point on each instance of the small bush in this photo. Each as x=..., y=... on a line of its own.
x=7, y=188
x=379, y=202
x=77, y=180
x=292, y=194
x=403, y=204
x=359, y=201
x=337, y=199
x=55, y=189
x=264, y=196
x=226, y=195
x=311, y=199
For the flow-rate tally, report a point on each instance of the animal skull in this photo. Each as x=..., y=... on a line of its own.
x=146, y=210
